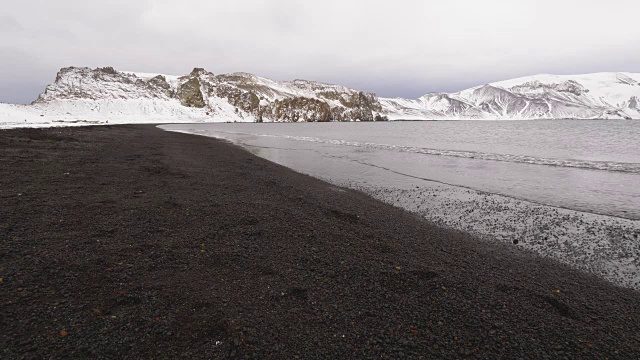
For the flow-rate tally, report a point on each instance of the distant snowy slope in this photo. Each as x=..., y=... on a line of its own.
x=590, y=96
x=601, y=89
x=104, y=95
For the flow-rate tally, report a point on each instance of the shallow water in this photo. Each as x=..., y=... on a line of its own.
x=591, y=166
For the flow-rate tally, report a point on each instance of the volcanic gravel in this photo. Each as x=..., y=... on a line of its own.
x=132, y=242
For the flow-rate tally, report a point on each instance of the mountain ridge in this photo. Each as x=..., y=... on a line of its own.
x=586, y=96
x=82, y=94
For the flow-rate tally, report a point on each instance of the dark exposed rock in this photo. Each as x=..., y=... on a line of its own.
x=571, y=87
x=160, y=81
x=189, y=93
x=107, y=70
x=198, y=71
x=301, y=108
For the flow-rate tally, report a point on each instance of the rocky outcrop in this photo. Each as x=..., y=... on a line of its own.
x=104, y=84
x=190, y=94
x=300, y=109
x=299, y=100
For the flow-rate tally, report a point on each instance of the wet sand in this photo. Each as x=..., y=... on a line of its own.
x=129, y=241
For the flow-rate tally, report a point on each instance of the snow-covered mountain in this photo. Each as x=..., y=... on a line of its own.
x=106, y=95
x=591, y=96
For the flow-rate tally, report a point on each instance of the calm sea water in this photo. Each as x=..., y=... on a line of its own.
x=591, y=166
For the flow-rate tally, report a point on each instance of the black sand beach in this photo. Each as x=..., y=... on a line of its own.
x=131, y=242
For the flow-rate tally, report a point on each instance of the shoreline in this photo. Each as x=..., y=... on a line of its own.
x=545, y=161
x=139, y=242
x=602, y=244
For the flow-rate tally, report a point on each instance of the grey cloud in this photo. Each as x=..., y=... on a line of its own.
x=401, y=48
x=9, y=25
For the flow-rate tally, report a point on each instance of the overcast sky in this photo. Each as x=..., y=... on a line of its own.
x=402, y=48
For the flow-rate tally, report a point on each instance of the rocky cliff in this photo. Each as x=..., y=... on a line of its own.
x=234, y=97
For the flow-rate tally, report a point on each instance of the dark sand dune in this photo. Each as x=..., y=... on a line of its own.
x=132, y=242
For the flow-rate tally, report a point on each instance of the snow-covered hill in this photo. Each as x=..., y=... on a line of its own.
x=103, y=95
x=83, y=95
x=591, y=96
